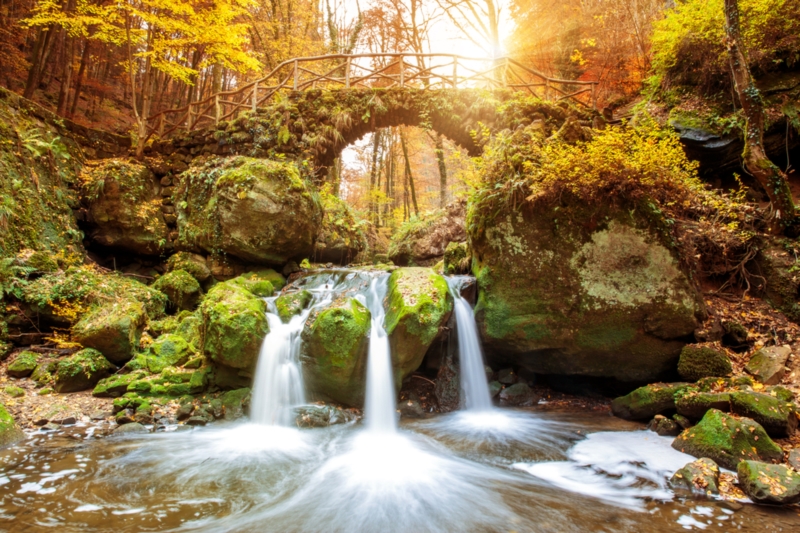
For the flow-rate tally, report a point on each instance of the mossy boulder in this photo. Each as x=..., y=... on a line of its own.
x=335, y=346
x=694, y=404
x=727, y=439
x=777, y=417
x=769, y=484
x=82, y=371
x=576, y=289
x=423, y=241
x=168, y=350
x=418, y=306
x=256, y=210
x=114, y=329
x=257, y=283
x=292, y=304
x=194, y=264
x=699, y=478
x=697, y=362
x=182, y=289
x=10, y=433
x=456, y=259
x=234, y=325
x=340, y=238
x=768, y=365
x=44, y=372
x=124, y=206
x=116, y=385
x=23, y=365
x=236, y=403
x=648, y=401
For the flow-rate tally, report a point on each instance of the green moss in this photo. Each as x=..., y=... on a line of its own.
x=44, y=373
x=457, y=258
x=769, y=484
x=116, y=385
x=694, y=404
x=727, y=440
x=114, y=329
x=292, y=304
x=181, y=288
x=82, y=371
x=10, y=433
x=140, y=386
x=235, y=402
x=194, y=264
x=777, y=417
x=168, y=350
x=23, y=365
x=14, y=392
x=646, y=402
x=201, y=379
x=256, y=285
x=698, y=362
x=45, y=391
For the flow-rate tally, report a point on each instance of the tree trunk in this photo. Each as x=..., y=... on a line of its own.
x=442, y=171
x=373, y=171
x=408, y=173
x=79, y=81
x=755, y=157
x=66, y=79
x=36, y=60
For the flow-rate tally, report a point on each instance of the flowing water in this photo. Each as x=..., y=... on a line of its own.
x=479, y=470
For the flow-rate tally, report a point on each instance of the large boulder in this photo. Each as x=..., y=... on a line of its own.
x=23, y=365
x=727, y=440
x=335, y=346
x=234, y=325
x=292, y=303
x=82, y=371
x=697, y=362
x=194, y=264
x=577, y=289
x=113, y=328
x=256, y=210
x=776, y=416
x=340, y=238
x=182, y=289
x=768, y=365
x=419, y=304
x=10, y=433
x=124, y=206
x=770, y=484
x=423, y=241
x=648, y=401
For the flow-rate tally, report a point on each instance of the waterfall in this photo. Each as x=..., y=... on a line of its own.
x=474, y=386
x=379, y=409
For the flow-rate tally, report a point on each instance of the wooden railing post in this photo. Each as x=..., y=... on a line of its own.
x=161, y=125
x=347, y=74
x=296, y=74
x=402, y=72
x=455, y=72
x=254, y=102
x=189, y=119
x=217, y=110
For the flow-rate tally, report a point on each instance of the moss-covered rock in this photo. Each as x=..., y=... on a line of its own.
x=124, y=206
x=666, y=427
x=768, y=365
x=10, y=433
x=648, y=401
x=254, y=209
x=697, y=362
x=234, y=325
x=576, y=289
x=116, y=385
x=423, y=241
x=168, y=350
x=23, y=365
x=44, y=372
x=182, y=289
x=335, y=345
x=292, y=304
x=694, y=404
x=457, y=259
x=194, y=264
x=777, y=417
x=770, y=484
x=14, y=392
x=700, y=478
x=418, y=305
x=255, y=283
x=82, y=371
x=340, y=238
x=236, y=403
x=114, y=329
x=727, y=440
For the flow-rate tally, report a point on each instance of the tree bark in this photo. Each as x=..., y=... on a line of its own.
x=66, y=79
x=79, y=81
x=408, y=173
x=755, y=157
x=442, y=170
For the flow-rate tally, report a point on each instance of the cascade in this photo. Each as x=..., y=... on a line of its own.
x=474, y=386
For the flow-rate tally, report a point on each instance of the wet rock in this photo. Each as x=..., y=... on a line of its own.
x=664, y=426
x=235, y=403
x=334, y=351
x=256, y=210
x=290, y=268
x=769, y=484
x=194, y=264
x=794, y=459
x=494, y=388
x=65, y=421
x=126, y=416
x=197, y=421
x=411, y=407
x=727, y=440
x=82, y=371
x=609, y=298
x=697, y=362
x=694, y=404
x=23, y=365
x=682, y=421
x=768, y=365
x=10, y=432
x=777, y=417
x=114, y=329
x=519, y=394
x=292, y=304
x=448, y=393
x=99, y=415
x=130, y=429
x=507, y=376
x=184, y=411
x=418, y=306
x=457, y=258
x=116, y=385
x=319, y=415
x=41, y=422
x=648, y=401
x=181, y=288
x=424, y=242
x=50, y=426
x=699, y=478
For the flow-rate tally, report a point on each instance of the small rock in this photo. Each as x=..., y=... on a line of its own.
x=124, y=417
x=794, y=459
x=14, y=392
x=41, y=422
x=664, y=426
x=494, y=388
x=411, y=407
x=133, y=427
x=768, y=365
x=682, y=421
x=316, y=416
x=290, y=268
x=51, y=427
x=735, y=335
x=184, y=411
x=66, y=421
x=45, y=391
x=700, y=477
x=196, y=421
x=519, y=394
x=99, y=415
x=766, y=483
x=507, y=376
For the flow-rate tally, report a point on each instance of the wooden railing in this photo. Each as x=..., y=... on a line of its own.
x=369, y=71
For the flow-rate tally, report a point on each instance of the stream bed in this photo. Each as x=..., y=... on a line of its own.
x=516, y=470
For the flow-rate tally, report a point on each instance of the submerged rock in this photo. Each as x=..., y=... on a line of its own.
x=319, y=416
x=10, y=433
x=697, y=362
x=292, y=304
x=727, y=440
x=130, y=429
x=572, y=289
x=648, y=401
x=113, y=328
x=771, y=484
x=82, y=371
x=418, y=306
x=335, y=345
x=768, y=365
x=256, y=210
x=700, y=477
